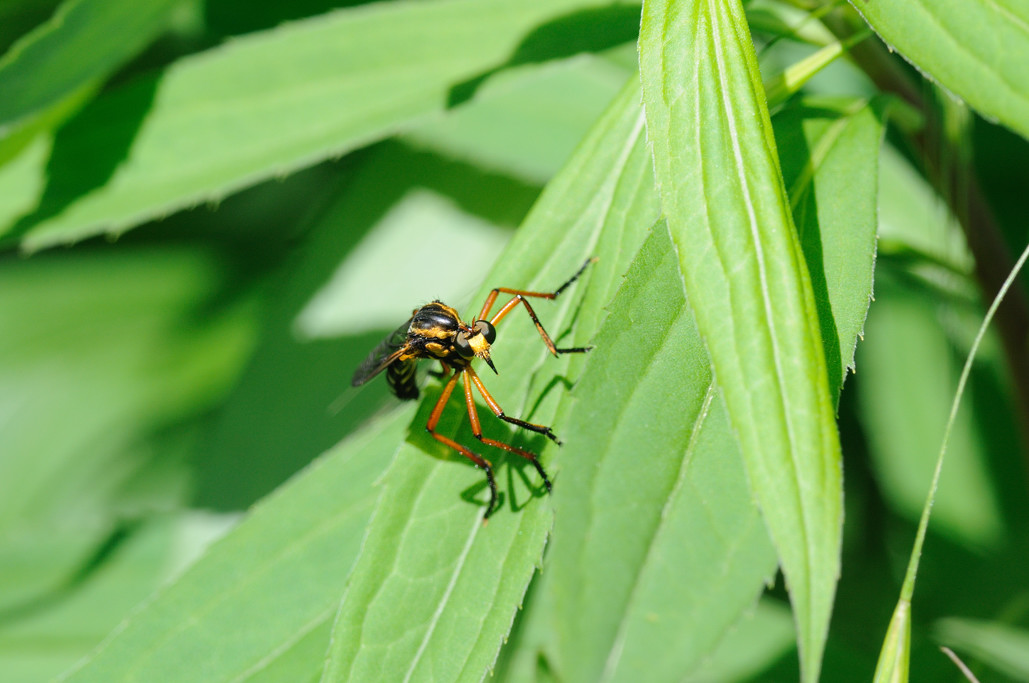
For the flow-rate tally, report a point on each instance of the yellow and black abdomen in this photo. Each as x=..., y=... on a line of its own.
x=402, y=380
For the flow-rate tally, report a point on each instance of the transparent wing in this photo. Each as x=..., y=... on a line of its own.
x=388, y=350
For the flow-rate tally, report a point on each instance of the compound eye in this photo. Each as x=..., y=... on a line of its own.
x=486, y=330
x=464, y=349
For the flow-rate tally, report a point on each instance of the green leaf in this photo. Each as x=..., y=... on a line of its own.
x=82, y=44
x=441, y=609
x=112, y=362
x=267, y=586
x=895, y=656
x=977, y=50
x=269, y=103
x=910, y=370
x=41, y=638
x=526, y=121
x=654, y=518
x=723, y=196
x=829, y=151
x=762, y=636
x=654, y=480
x=915, y=225
x=1003, y=647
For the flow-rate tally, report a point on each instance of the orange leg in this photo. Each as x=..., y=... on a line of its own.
x=437, y=411
x=473, y=417
x=520, y=297
x=499, y=412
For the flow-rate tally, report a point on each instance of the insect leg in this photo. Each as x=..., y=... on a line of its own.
x=443, y=371
x=437, y=411
x=520, y=297
x=473, y=417
x=491, y=299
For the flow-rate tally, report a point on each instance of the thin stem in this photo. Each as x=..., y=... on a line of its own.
x=923, y=524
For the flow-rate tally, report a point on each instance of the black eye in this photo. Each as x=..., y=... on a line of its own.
x=486, y=330
x=464, y=349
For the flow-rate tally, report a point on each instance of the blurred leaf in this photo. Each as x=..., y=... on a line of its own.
x=915, y=222
x=974, y=49
x=910, y=370
x=273, y=102
x=18, y=17
x=527, y=121
x=654, y=480
x=1002, y=647
x=235, y=17
x=894, y=657
x=407, y=610
x=422, y=225
x=76, y=48
x=89, y=366
x=722, y=193
x=794, y=77
x=42, y=638
x=101, y=350
x=779, y=20
x=267, y=586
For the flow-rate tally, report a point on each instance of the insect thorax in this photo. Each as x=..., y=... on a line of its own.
x=432, y=332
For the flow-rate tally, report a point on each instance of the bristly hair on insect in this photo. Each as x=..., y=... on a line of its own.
x=436, y=332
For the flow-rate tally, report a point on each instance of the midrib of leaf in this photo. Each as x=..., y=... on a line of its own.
x=444, y=599
x=277, y=652
x=617, y=647
x=730, y=119
x=753, y=298
x=1010, y=16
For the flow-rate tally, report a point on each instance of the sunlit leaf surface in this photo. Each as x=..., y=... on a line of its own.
x=722, y=193
x=976, y=50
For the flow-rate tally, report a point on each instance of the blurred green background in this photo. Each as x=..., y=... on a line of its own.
x=156, y=382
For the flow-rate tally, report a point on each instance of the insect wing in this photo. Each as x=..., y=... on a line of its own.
x=388, y=350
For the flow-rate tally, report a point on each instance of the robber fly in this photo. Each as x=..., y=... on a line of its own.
x=436, y=332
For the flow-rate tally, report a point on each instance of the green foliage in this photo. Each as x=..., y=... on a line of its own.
x=287, y=183
x=73, y=51
x=729, y=216
x=947, y=41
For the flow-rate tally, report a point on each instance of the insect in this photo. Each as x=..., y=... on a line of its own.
x=436, y=332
